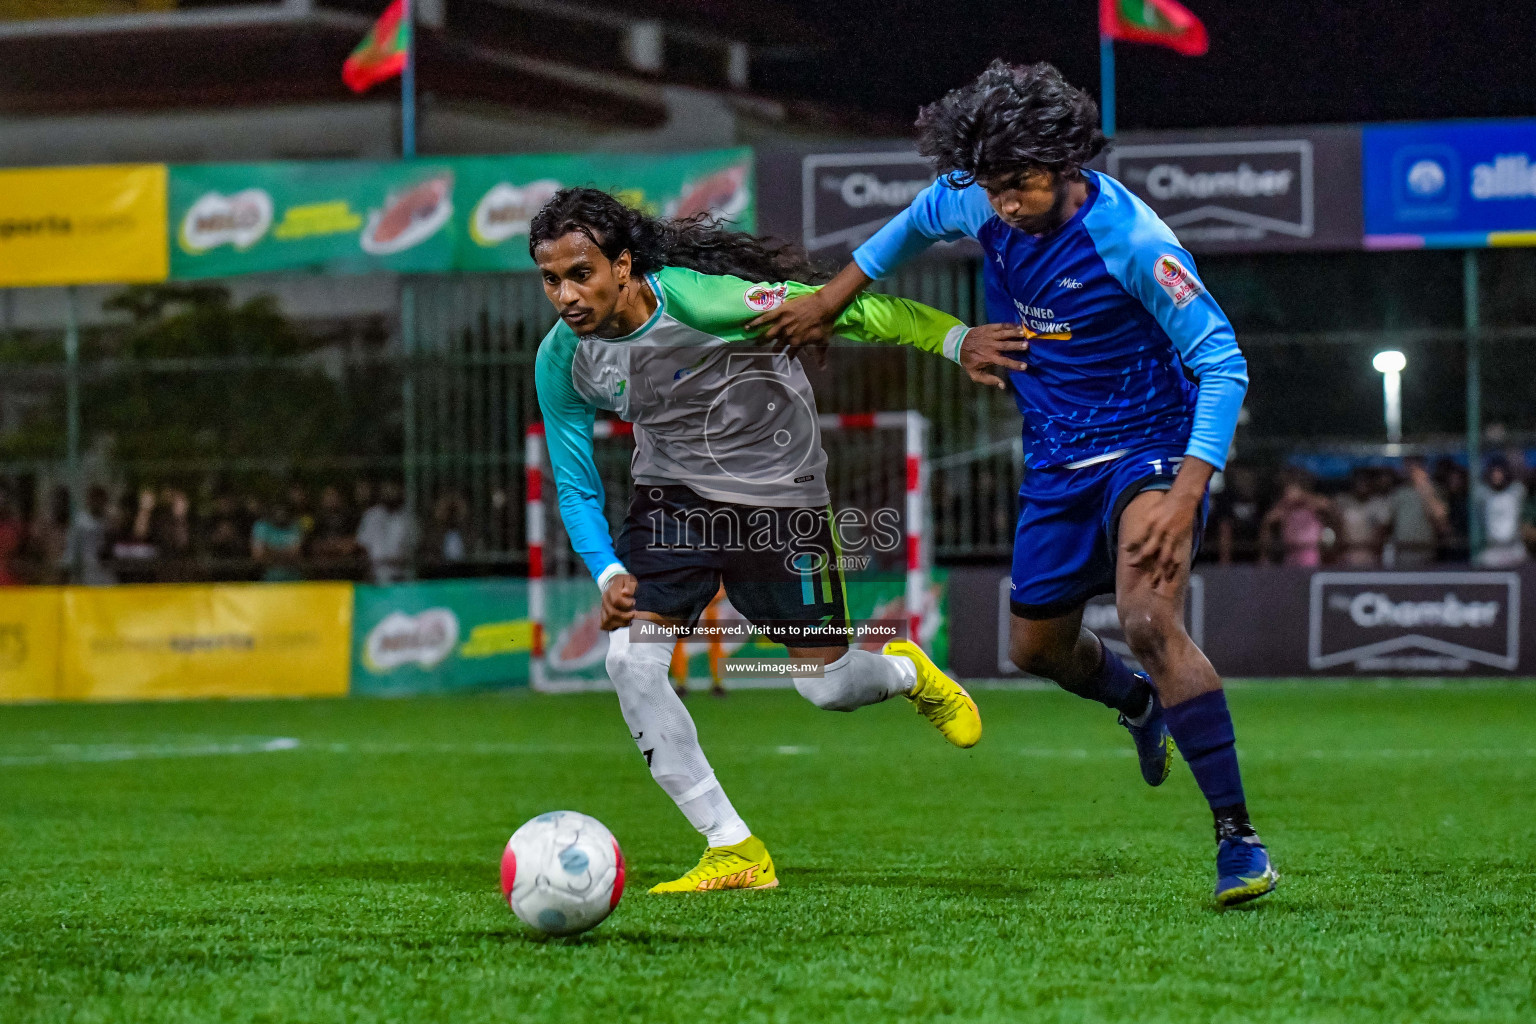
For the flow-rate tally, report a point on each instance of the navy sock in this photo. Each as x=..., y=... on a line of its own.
x=1114, y=685
x=1202, y=728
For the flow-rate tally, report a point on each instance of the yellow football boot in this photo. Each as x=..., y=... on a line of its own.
x=743, y=866
x=939, y=698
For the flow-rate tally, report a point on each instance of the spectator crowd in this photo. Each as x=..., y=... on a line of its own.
x=150, y=535
x=1403, y=516
x=1394, y=517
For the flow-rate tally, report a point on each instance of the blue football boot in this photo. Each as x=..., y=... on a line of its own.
x=1154, y=744
x=1243, y=871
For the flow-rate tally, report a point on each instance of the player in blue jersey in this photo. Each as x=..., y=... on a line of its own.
x=1120, y=444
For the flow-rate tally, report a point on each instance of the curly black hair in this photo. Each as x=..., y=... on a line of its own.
x=697, y=243
x=1012, y=119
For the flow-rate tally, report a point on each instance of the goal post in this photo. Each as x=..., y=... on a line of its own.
x=916, y=533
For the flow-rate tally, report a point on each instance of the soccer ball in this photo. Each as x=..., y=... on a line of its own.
x=562, y=873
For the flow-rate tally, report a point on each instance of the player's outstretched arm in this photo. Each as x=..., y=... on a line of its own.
x=940, y=212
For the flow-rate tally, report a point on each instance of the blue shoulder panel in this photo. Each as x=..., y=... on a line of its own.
x=940, y=212
x=568, y=435
x=1142, y=253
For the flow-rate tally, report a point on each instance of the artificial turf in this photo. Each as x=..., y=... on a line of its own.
x=336, y=861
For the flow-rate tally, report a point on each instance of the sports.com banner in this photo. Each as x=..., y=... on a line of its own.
x=420, y=216
x=83, y=225
x=174, y=641
x=1260, y=621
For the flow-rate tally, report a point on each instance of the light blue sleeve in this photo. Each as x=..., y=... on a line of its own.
x=568, y=436
x=1145, y=257
x=939, y=213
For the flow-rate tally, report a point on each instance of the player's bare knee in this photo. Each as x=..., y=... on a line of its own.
x=1149, y=632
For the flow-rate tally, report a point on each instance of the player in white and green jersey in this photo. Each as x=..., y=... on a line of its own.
x=730, y=478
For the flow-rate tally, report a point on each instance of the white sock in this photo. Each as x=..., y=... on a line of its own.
x=709, y=810
x=859, y=678
x=663, y=730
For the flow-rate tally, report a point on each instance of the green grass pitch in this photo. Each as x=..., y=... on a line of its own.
x=335, y=861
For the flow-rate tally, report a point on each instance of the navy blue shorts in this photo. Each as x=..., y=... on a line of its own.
x=778, y=565
x=1069, y=525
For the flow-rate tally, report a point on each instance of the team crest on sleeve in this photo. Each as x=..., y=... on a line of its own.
x=760, y=298
x=1181, y=285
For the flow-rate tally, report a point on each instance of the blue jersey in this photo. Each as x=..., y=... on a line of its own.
x=1115, y=312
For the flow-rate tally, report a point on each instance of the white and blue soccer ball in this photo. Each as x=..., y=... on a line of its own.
x=562, y=873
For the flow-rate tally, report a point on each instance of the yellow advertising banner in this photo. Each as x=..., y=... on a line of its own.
x=214, y=640
x=83, y=225
x=30, y=623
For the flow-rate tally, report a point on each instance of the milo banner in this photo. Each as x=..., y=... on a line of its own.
x=336, y=217
x=441, y=636
x=500, y=195
x=420, y=216
x=577, y=645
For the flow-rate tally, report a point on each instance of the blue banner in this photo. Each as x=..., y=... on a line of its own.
x=1450, y=185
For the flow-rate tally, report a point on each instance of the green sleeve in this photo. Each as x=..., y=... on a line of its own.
x=721, y=305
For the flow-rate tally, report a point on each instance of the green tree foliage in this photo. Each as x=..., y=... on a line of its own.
x=199, y=378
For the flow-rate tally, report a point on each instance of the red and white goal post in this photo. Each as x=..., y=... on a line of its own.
x=916, y=522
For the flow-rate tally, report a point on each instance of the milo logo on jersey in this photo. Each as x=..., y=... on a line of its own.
x=1181, y=285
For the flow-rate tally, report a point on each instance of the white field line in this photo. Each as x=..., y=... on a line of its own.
x=73, y=753
x=76, y=753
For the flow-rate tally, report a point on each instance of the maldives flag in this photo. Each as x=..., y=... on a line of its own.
x=381, y=54
x=1161, y=22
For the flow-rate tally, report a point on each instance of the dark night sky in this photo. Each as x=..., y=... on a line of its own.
x=1270, y=63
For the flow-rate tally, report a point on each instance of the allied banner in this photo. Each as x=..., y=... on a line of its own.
x=1268, y=621
x=83, y=225
x=1250, y=190
x=441, y=636
x=30, y=624
x=1455, y=185
x=205, y=640
x=420, y=216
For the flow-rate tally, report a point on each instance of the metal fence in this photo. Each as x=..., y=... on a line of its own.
x=189, y=400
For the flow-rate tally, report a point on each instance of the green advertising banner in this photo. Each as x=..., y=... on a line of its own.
x=576, y=646
x=330, y=216
x=501, y=194
x=420, y=216
x=440, y=636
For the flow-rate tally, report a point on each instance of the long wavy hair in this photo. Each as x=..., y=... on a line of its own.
x=1010, y=119
x=697, y=243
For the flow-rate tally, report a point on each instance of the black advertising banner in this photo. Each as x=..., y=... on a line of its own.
x=1262, y=622
x=1251, y=190
x=831, y=198
x=1258, y=190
